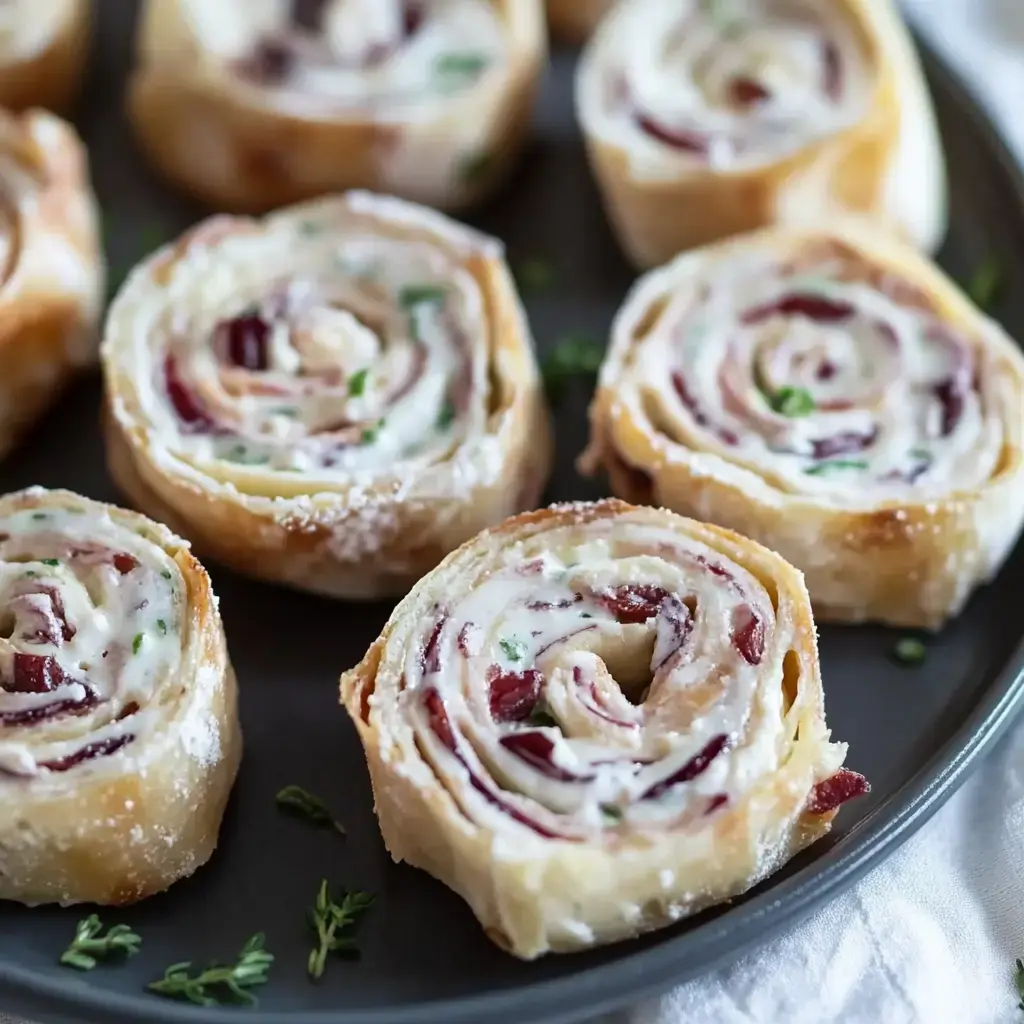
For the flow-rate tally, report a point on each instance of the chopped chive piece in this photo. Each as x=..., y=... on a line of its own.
x=986, y=283
x=38, y=515
x=162, y=626
x=165, y=573
x=286, y=410
x=414, y=294
x=910, y=651
x=514, y=649
x=586, y=615
x=792, y=402
x=446, y=415
x=920, y=453
x=370, y=434
x=30, y=573
x=137, y=643
x=51, y=561
x=835, y=464
x=310, y=228
x=461, y=64
x=542, y=717
x=1019, y=980
x=611, y=812
x=535, y=275
x=357, y=383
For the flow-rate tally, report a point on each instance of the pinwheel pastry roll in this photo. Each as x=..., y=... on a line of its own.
x=594, y=720
x=119, y=738
x=572, y=21
x=334, y=397
x=251, y=104
x=51, y=270
x=835, y=397
x=705, y=118
x=43, y=46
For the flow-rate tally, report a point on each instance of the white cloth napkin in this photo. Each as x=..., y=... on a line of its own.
x=931, y=936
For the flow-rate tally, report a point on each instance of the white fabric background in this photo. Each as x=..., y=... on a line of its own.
x=931, y=936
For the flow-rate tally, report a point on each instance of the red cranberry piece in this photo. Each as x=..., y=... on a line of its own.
x=676, y=138
x=814, y=307
x=185, y=403
x=437, y=715
x=125, y=563
x=91, y=750
x=547, y=606
x=413, y=16
x=60, y=707
x=463, y=639
x=245, y=341
x=635, y=603
x=679, y=383
x=745, y=92
x=538, y=751
x=830, y=793
x=36, y=673
x=832, y=70
x=308, y=14
x=430, y=656
x=716, y=570
x=715, y=803
x=513, y=695
x=846, y=443
x=950, y=394
x=826, y=370
x=748, y=635
x=270, y=62
x=697, y=765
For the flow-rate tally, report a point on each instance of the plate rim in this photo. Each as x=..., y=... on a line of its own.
x=646, y=973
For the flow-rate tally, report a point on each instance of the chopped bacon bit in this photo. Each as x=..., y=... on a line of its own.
x=99, y=749
x=697, y=765
x=125, y=563
x=437, y=715
x=244, y=341
x=830, y=793
x=748, y=635
x=745, y=92
x=513, y=695
x=950, y=394
x=832, y=76
x=715, y=803
x=430, y=657
x=36, y=673
x=189, y=411
x=676, y=138
x=725, y=435
x=634, y=603
x=814, y=307
x=537, y=750
x=846, y=443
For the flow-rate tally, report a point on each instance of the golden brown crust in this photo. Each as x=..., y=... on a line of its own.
x=213, y=138
x=351, y=538
x=119, y=828
x=884, y=166
x=47, y=324
x=906, y=563
x=534, y=894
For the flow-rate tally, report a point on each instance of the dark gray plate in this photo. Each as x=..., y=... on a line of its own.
x=915, y=733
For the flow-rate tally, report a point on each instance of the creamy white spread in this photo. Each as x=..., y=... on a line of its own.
x=832, y=378
x=609, y=675
x=320, y=343
x=90, y=630
x=28, y=26
x=726, y=83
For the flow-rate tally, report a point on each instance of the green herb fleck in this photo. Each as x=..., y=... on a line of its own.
x=415, y=294
x=920, y=453
x=328, y=919
x=309, y=228
x=88, y=947
x=535, y=275
x=301, y=803
x=446, y=415
x=793, y=402
x=611, y=812
x=357, y=383
x=243, y=456
x=286, y=410
x=51, y=561
x=165, y=573
x=137, y=643
x=162, y=626
x=30, y=573
x=1019, y=979
x=369, y=434
x=514, y=649
x=542, y=717
x=910, y=651
x=986, y=283
x=473, y=169
x=461, y=65
x=835, y=464
x=586, y=615
x=39, y=515
x=221, y=983
x=576, y=355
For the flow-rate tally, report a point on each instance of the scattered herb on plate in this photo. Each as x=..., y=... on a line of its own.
x=219, y=983
x=574, y=356
x=89, y=947
x=328, y=919
x=909, y=650
x=302, y=804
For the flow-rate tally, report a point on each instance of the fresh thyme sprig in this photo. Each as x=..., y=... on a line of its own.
x=301, y=803
x=89, y=947
x=219, y=983
x=328, y=919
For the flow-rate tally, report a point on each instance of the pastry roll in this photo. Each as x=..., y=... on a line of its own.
x=119, y=737
x=594, y=720
x=51, y=268
x=251, y=104
x=334, y=397
x=705, y=118
x=835, y=397
x=43, y=46
x=573, y=20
